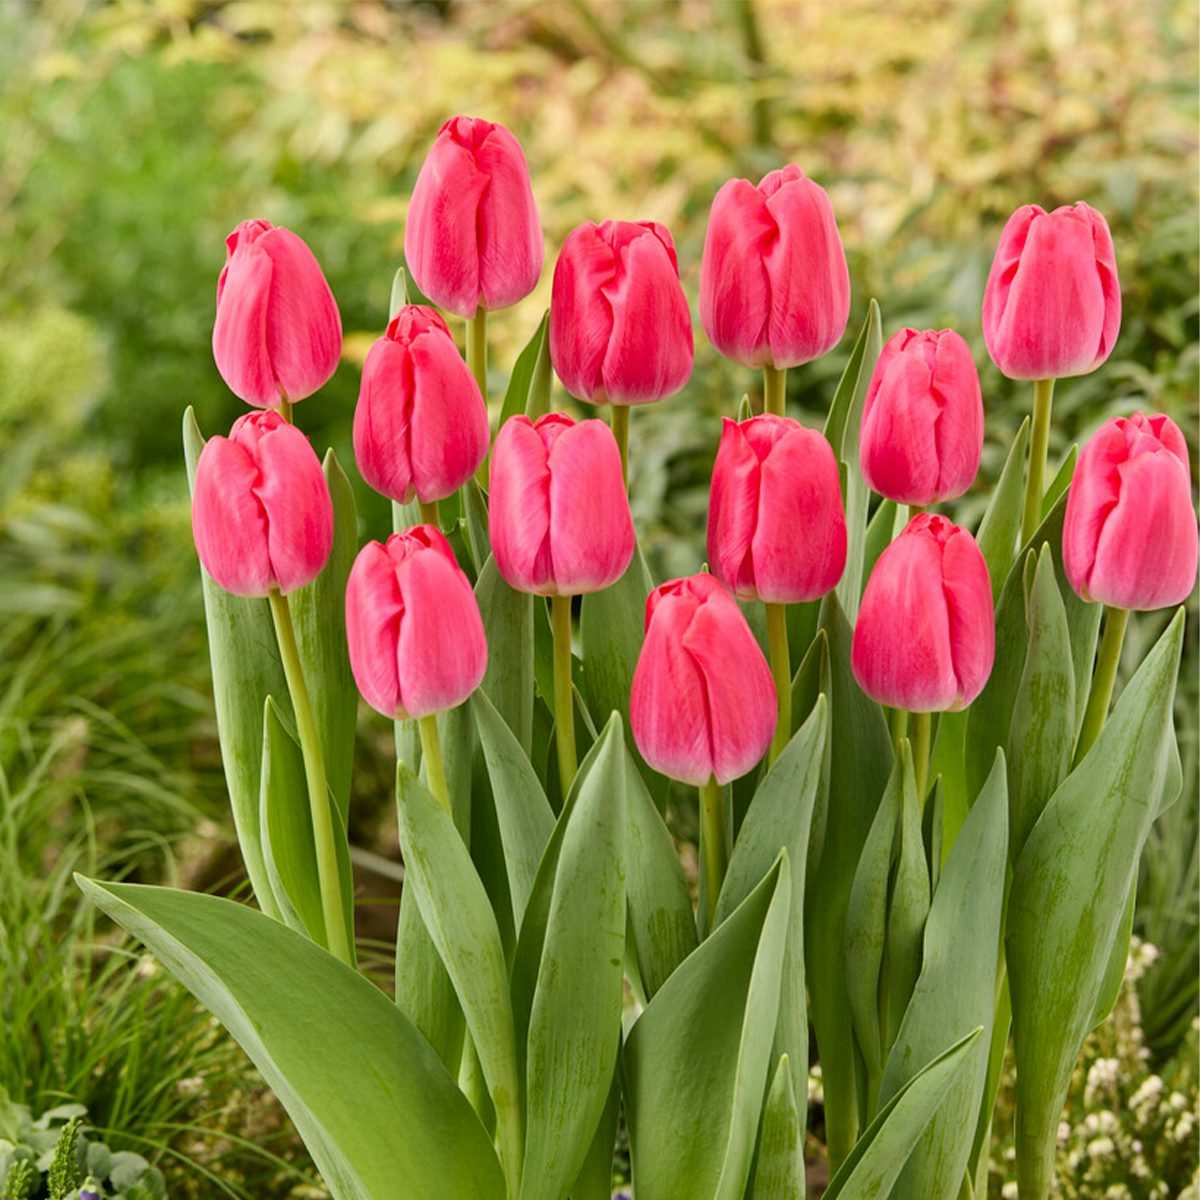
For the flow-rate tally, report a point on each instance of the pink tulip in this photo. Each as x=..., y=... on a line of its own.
x=922, y=426
x=421, y=426
x=703, y=701
x=1129, y=539
x=558, y=513
x=925, y=637
x=620, y=330
x=1052, y=305
x=473, y=238
x=774, y=288
x=278, y=335
x=262, y=518
x=776, y=530
x=415, y=634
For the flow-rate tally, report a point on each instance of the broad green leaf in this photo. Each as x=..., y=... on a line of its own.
x=595, y=1179
x=860, y=763
x=523, y=813
x=1118, y=960
x=1069, y=893
x=1001, y=524
x=780, y=818
x=779, y=1169
x=459, y=917
x=661, y=923
x=246, y=669
x=476, y=515
x=872, y=1167
x=1041, y=737
x=813, y=679
x=379, y=1123
x=575, y=1020
x=956, y=993
x=319, y=612
x=508, y=622
x=1060, y=482
x=528, y=388
x=696, y=1060
x=842, y=429
x=880, y=533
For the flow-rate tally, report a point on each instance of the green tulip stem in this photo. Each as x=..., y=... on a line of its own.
x=775, y=390
x=898, y=725
x=431, y=756
x=477, y=349
x=1035, y=478
x=922, y=726
x=430, y=514
x=713, y=851
x=328, y=875
x=781, y=669
x=564, y=707
x=285, y=406
x=1116, y=621
x=620, y=428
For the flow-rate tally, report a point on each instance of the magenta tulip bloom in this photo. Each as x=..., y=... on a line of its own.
x=558, y=513
x=774, y=287
x=1129, y=539
x=1052, y=305
x=262, y=518
x=922, y=426
x=278, y=335
x=703, y=702
x=421, y=425
x=776, y=530
x=620, y=330
x=473, y=238
x=925, y=637
x=415, y=634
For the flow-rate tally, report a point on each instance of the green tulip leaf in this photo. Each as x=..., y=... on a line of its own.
x=528, y=388
x=880, y=533
x=575, y=1017
x=955, y=993
x=779, y=1169
x=661, y=923
x=872, y=1167
x=476, y=513
x=595, y=1179
x=1070, y=890
x=1060, y=482
x=780, y=818
x=374, y=1106
x=697, y=1059
x=508, y=622
x=1001, y=524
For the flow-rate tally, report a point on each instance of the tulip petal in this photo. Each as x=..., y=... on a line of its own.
x=374, y=609
x=519, y=508
x=383, y=421
x=229, y=523
x=958, y=432
x=733, y=512
x=240, y=329
x=511, y=250
x=899, y=446
x=581, y=321
x=972, y=625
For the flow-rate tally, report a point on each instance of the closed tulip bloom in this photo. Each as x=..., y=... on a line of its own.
x=1129, y=539
x=774, y=287
x=278, y=334
x=413, y=626
x=558, y=513
x=922, y=426
x=776, y=530
x=261, y=513
x=703, y=701
x=620, y=329
x=473, y=238
x=1052, y=305
x=421, y=426
x=925, y=637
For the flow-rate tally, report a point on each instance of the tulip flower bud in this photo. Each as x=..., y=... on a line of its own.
x=413, y=627
x=473, y=237
x=1052, y=304
x=925, y=637
x=922, y=425
x=776, y=530
x=774, y=287
x=620, y=329
x=278, y=335
x=1129, y=538
x=558, y=513
x=262, y=518
x=421, y=426
x=703, y=701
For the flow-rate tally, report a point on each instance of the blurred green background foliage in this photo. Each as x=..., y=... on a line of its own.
x=137, y=133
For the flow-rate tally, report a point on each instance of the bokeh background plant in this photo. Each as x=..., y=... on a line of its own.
x=137, y=134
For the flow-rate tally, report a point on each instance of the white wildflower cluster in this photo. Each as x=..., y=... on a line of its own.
x=1127, y=1133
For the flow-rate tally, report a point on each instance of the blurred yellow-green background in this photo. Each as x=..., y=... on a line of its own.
x=134, y=135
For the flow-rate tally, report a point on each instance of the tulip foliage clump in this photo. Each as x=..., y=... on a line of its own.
x=920, y=814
